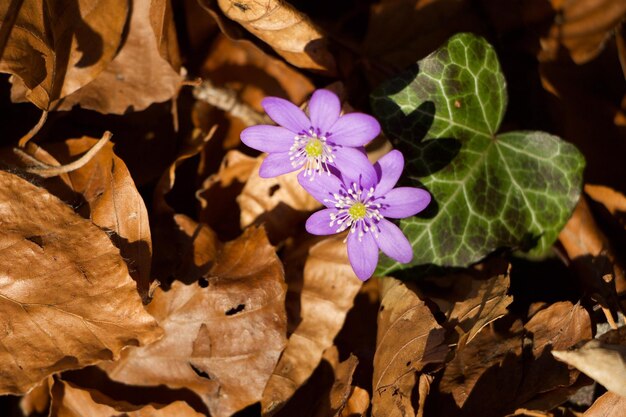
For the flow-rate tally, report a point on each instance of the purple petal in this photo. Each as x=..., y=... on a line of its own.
x=266, y=138
x=286, y=114
x=354, y=129
x=389, y=168
x=324, y=109
x=276, y=164
x=393, y=243
x=363, y=254
x=322, y=187
x=319, y=223
x=354, y=166
x=403, y=202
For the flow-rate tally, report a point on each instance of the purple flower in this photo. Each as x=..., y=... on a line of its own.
x=362, y=206
x=318, y=143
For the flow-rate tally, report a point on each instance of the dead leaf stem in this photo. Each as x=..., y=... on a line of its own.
x=46, y=171
x=32, y=132
x=227, y=100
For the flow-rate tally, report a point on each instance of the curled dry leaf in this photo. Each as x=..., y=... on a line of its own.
x=67, y=299
x=225, y=186
x=113, y=203
x=471, y=303
x=288, y=31
x=56, y=48
x=608, y=405
x=37, y=400
x=614, y=201
x=408, y=339
x=280, y=203
x=228, y=325
x=69, y=400
x=582, y=27
x=490, y=376
x=143, y=72
x=603, y=362
x=592, y=255
x=320, y=298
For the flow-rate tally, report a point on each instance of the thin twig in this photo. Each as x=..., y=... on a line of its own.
x=227, y=100
x=47, y=171
x=32, y=132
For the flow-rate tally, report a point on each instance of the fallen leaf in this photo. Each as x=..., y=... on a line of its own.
x=592, y=256
x=225, y=186
x=139, y=75
x=608, y=405
x=502, y=370
x=469, y=302
x=69, y=400
x=279, y=203
x=37, y=400
x=357, y=404
x=68, y=300
x=56, y=48
x=318, y=301
x=113, y=203
x=291, y=33
x=409, y=338
x=229, y=324
x=601, y=361
x=582, y=27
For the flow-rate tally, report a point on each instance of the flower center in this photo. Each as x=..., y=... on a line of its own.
x=357, y=210
x=311, y=150
x=314, y=148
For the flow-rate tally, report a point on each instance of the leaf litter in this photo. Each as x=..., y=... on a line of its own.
x=154, y=272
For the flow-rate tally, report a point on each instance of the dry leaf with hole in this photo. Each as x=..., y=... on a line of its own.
x=582, y=27
x=319, y=299
x=231, y=323
x=608, y=405
x=290, y=32
x=55, y=48
x=143, y=72
x=603, y=362
x=68, y=300
x=69, y=400
x=280, y=203
x=408, y=339
x=112, y=202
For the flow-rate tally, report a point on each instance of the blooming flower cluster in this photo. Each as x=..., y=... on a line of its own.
x=359, y=196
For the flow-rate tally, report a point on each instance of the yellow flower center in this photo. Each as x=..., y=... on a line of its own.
x=314, y=148
x=357, y=211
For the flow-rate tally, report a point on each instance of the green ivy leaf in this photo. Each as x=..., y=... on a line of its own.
x=490, y=190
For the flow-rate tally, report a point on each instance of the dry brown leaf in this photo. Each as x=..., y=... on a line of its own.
x=608, y=405
x=139, y=75
x=69, y=400
x=68, y=300
x=409, y=338
x=37, y=400
x=491, y=376
x=419, y=27
x=471, y=303
x=592, y=255
x=582, y=27
x=357, y=404
x=288, y=31
x=112, y=202
x=319, y=299
x=55, y=48
x=601, y=361
x=224, y=186
x=280, y=203
x=230, y=324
